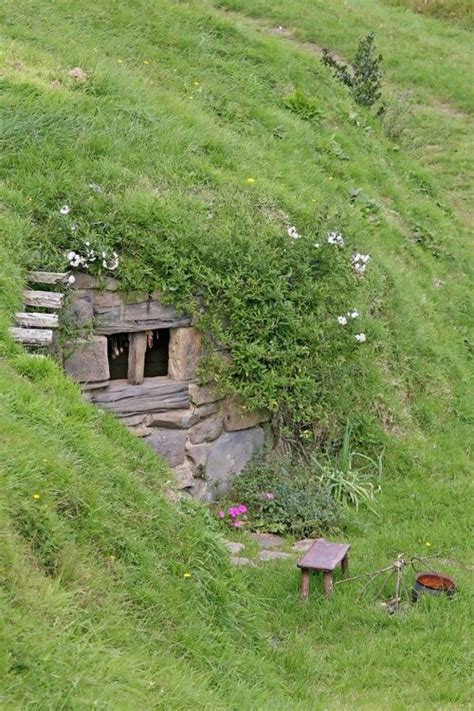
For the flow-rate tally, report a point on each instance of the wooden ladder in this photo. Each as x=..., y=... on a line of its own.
x=35, y=328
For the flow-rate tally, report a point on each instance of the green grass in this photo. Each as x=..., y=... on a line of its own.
x=95, y=608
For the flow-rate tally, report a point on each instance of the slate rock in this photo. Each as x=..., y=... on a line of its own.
x=170, y=444
x=184, y=353
x=234, y=546
x=273, y=555
x=228, y=456
x=87, y=361
x=239, y=562
x=206, y=431
x=267, y=540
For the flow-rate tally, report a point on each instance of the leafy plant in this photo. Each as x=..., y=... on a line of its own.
x=302, y=105
x=364, y=76
x=352, y=477
x=281, y=496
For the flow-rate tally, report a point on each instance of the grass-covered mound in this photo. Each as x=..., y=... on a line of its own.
x=183, y=104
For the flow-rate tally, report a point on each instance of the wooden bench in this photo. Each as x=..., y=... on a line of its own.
x=323, y=557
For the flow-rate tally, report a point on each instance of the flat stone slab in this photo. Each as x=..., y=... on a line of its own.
x=273, y=555
x=238, y=562
x=234, y=546
x=267, y=540
x=303, y=545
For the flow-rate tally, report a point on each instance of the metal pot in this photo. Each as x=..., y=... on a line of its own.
x=435, y=584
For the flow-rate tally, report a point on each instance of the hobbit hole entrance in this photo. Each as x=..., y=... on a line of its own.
x=134, y=356
x=117, y=350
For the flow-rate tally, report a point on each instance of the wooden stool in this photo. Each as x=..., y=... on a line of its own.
x=323, y=557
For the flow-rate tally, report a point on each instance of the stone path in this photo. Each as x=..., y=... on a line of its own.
x=267, y=543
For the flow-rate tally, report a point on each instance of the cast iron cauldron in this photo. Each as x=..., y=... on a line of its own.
x=436, y=584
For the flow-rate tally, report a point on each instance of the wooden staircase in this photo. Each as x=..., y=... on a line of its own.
x=35, y=327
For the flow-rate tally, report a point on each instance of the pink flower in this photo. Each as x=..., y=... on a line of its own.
x=269, y=495
x=234, y=512
x=242, y=509
x=221, y=514
x=237, y=524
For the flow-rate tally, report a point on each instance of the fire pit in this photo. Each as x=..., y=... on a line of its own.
x=432, y=583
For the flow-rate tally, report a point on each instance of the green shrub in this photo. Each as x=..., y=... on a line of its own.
x=304, y=106
x=364, y=76
x=282, y=497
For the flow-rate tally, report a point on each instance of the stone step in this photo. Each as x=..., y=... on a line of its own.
x=32, y=336
x=43, y=299
x=49, y=277
x=36, y=320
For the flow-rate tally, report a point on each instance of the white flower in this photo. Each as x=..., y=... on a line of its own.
x=361, y=337
x=335, y=238
x=104, y=263
x=317, y=245
x=70, y=255
x=360, y=261
x=353, y=314
x=292, y=232
x=65, y=210
x=74, y=226
x=71, y=279
x=342, y=320
x=96, y=187
x=113, y=262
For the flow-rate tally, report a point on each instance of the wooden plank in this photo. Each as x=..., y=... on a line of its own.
x=32, y=336
x=324, y=555
x=136, y=358
x=49, y=277
x=154, y=395
x=43, y=299
x=37, y=320
x=141, y=316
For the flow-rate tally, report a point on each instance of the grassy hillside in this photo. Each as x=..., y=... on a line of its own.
x=184, y=123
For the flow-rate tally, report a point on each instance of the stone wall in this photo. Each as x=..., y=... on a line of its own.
x=206, y=439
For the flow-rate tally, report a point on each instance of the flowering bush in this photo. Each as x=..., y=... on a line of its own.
x=282, y=497
x=90, y=260
x=234, y=514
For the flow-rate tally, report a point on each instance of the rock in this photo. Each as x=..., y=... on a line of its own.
x=202, y=394
x=227, y=457
x=205, y=410
x=303, y=545
x=234, y=546
x=238, y=562
x=236, y=418
x=107, y=299
x=140, y=430
x=206, y=431
x=80, y=310
x=135, y=420
x=174, y=419
x=273, y=555
x=170, y=444
x=87, y=360
x=267, y=540
x=87, y=281
x=184, y=353
x=184, y=475
x=198, y=454
x=94, y=386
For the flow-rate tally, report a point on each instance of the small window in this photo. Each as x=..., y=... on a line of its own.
x=156, y=355
x=118, y=356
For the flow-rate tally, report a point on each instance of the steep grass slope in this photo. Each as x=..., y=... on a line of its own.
x=183, y=104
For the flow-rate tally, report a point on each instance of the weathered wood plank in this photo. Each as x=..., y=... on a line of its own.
x=154, y=395
x=48, y=277
x=32, y=336
x=43, y=299
x=136, y=358
x=324, y=555
x=141, y=316
x=37, y=320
